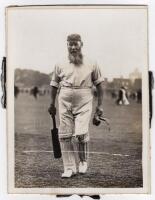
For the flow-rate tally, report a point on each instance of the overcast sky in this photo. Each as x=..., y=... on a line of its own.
x=115, y=38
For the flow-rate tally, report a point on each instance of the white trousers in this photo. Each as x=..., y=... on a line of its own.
x=75, y=108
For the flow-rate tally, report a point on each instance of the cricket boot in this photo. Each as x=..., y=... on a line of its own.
x=83, y=154
x=68, y=157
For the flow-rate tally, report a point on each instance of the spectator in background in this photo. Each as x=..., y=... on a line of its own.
x=122, y=97
x=35, y=91
x=16, y=91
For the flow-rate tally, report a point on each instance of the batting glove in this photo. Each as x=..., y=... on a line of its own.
x=99, y=111
x=98, y=114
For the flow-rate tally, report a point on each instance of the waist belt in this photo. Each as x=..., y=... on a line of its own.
x=76, y=87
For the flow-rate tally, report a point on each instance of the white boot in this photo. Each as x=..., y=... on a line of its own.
x=68, y=157
x=68, y=173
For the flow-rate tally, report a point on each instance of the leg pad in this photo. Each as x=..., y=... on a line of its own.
x=83, y=147
x=68, y=156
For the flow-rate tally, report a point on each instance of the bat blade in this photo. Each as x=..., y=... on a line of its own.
x=56, y=143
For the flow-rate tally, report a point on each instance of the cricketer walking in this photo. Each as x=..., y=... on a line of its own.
x=75, y=76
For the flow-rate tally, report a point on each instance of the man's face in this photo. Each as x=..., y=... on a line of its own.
x=74, y=47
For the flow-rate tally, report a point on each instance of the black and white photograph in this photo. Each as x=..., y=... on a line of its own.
x=78, y=111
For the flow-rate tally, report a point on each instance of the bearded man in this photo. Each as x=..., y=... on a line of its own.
x=75, y=77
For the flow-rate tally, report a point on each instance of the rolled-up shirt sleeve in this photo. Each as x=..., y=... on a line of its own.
x=55, y=79
x=97, y=76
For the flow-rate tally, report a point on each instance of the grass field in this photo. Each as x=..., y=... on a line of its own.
x=115, y=158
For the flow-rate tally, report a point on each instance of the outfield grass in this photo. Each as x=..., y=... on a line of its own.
x=115, y=156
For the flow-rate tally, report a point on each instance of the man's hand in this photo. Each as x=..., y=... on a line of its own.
x=52, y=110
x=99, y=111
x=98, y=114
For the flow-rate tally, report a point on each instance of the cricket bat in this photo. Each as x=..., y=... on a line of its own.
x=55, y=140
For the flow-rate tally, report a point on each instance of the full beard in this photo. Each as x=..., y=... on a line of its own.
x=76, y=59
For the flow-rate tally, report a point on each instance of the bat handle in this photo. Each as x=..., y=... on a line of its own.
x=54, y=121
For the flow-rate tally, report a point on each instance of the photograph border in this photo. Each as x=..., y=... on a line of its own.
x=10, y=132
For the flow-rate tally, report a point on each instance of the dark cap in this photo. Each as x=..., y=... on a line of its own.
x=74, y=37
